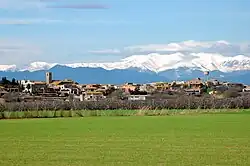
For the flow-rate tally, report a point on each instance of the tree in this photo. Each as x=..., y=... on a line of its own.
x=28, y=87
x=4, y=81
x=231, y=93
x=22, y=87
x=117, y=94
x=13, y=82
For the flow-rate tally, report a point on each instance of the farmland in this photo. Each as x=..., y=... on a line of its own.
x=200, y=139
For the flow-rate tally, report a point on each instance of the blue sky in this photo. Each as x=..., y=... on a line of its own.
x=67, y=31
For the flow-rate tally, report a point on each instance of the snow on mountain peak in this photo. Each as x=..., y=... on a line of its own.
x=8, y=67
x=223, y=42
x=157, y=62
x=34, y=66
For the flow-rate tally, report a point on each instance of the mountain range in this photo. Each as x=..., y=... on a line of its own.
x=141, y=69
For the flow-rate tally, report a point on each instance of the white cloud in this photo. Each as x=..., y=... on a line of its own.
x=187, y=47
x=106, y=51
x=20, y=52
x=190, y=46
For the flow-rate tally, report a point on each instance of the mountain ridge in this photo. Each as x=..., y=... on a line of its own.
x=155, y=62
x=88, y=75
x=141, y=68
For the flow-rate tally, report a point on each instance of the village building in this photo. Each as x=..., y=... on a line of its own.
x=194, y=87
x=195, y=83
x=92, y=96
x=161, y=86
x=137, y=97
x=92, y=87
x=235, y=86
x=177, y=85
x=147, y=88
x=246, y=88
x=33, y=86
x=2, y=92
x=69, y=89
x=196, y=91
x=128, y=87
x=219, y=88
x=212, y=83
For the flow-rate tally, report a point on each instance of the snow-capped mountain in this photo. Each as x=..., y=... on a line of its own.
x=156, y=62
x=8, y=67
x=35, y=66
x=159, y=62
x=148, y=63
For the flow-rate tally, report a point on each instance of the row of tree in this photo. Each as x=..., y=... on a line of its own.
x=5, y=81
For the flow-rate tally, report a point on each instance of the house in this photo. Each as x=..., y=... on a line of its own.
x=33, y=86
x=147, y=88
x=69, y=89
x=65, y=87
x=10, y=88
x=92, y=87
x=246, y=88
x=62, y=82
x=3, y=92
x=93, y=96
x=195, y=83
x=130, y=87
x=192, y=91
x=161, y=86
x=38, y=87
x=137, y=97
x=177, y=85
x=219, y=88
x=212, y=83
x=236, y=86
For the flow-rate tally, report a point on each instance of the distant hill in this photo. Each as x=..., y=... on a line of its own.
x=120, y=76
x=88, y=75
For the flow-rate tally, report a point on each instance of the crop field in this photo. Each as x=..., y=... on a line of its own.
x=205, y=139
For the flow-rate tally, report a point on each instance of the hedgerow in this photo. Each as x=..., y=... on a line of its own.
x=182, y=102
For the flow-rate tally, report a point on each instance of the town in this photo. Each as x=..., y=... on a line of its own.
x=28, y=90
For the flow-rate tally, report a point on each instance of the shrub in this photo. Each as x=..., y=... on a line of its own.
x=231, y=93
x=85, y=108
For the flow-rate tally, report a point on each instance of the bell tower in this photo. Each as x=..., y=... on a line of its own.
x=48, y=77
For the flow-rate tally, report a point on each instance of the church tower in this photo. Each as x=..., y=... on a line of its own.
x=48, y=77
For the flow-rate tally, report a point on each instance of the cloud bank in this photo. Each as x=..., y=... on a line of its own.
x=20, y=52
x=106, y=51
x=190, y=46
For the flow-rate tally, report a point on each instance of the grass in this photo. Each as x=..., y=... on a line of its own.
x=90, y=113
x=205, y=139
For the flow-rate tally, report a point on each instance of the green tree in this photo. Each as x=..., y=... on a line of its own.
x=231, y=93
x=28, y=87
x=13, y=82
x=4, y=81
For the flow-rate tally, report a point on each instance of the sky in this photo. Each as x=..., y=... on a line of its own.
x=69, y=31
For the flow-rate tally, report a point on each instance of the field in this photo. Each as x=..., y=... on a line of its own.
x=205, y=139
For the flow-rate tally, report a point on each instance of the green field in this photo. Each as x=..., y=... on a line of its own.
x=211, y=139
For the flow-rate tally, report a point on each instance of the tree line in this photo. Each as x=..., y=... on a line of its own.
x=4, y=81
